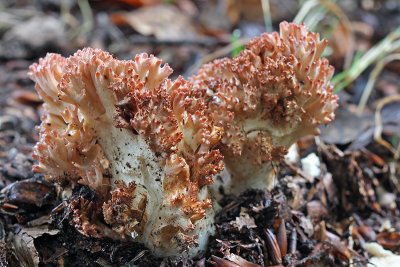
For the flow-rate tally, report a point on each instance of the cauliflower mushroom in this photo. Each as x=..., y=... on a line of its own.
x=275, y=92
x=142, y=142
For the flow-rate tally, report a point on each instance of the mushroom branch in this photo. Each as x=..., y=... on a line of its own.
x=150, y=147
x=142, y=142
x=275, y=92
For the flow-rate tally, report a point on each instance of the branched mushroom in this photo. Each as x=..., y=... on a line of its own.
x=275, y=92
x=124, y=126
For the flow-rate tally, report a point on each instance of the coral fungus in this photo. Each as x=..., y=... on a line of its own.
x=275, y=92
x=124, y=126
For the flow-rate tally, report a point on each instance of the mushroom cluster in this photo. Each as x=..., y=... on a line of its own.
x=150, y=147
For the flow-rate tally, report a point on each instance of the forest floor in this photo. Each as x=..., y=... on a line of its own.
x=337, y=196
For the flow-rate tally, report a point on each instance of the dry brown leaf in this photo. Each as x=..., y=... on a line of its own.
x=240, y=261
x=244, y=220
x=26, y=97
x=23, y=250
x=387, y=111
x=21, y=245
x=222, y=262
x=389, y=240
x=367, y=232
x=274, y=251
x=316, y=210
x=165, y=22
x=217, y=17
x=304, y=223
x=30, y=193
x=281, y=237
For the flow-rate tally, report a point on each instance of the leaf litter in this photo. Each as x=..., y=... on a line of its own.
x=341, y=209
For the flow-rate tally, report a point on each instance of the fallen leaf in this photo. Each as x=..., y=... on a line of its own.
x=26, y=37
x=240, y=261
x=26, y=97
x=316, y=210
x=29, y=194
x=37, y=231
x=23, y=250
x=339, y=248
x=304, y=223
x=346, y=127
x=274, y=251
x=222, y=262
x=244, y=220
x=389, y=240
x=217, y=17
x=165, y=22
x=21, y=244
x=367, y=232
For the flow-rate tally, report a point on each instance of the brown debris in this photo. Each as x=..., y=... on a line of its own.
x=273, y=248
x=353, y=181
x=30, y=193
x=389, y=240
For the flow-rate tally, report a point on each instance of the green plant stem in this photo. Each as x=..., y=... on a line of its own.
x=304, y=10
x=267, y=15
x=372, y=79
x=382, y=49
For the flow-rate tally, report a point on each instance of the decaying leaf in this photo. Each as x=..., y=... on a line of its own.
x=316, y=210
x=351, y=176
x=274, y=252
x=29, y=194
x=21, y=245
x=244, y=220
x=389, y=240
x=165, y=22
x=347, y=127
x=240, y=261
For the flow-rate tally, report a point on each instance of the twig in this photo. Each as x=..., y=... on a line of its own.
x=87, y=15
x=372, y=79
x=313, y=11
x=388, y=45
x=344, y=20
x=379, y=125
x=267, y=15
x=304, y=10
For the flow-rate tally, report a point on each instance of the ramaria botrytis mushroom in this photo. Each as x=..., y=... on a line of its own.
x=124, y=124
x=275, y=92
x=149, y=146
